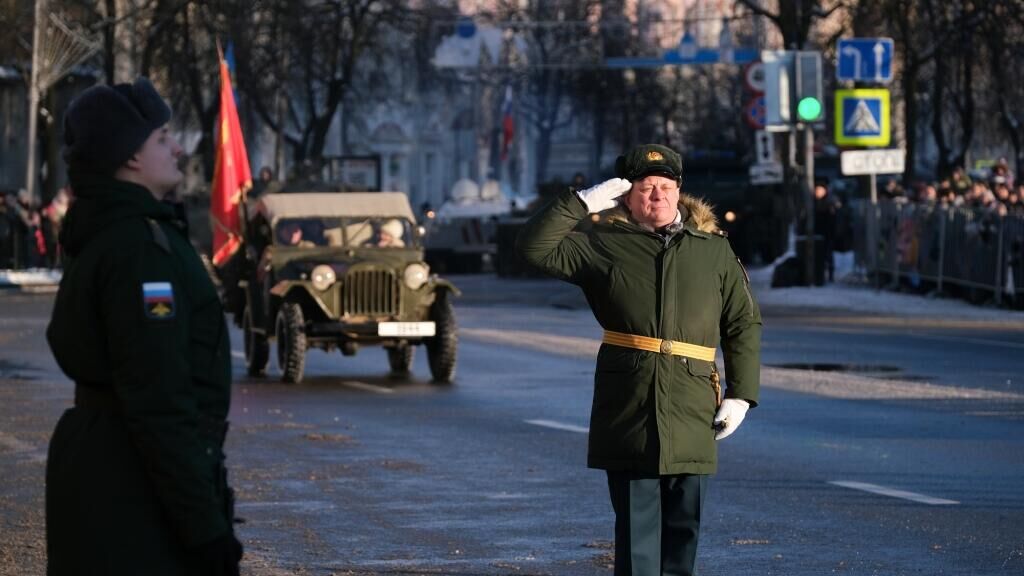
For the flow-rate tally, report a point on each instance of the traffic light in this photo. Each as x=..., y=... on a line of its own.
x=808, y=97
x=793, y=89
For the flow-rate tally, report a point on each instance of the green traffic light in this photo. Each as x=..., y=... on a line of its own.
x=809, y=109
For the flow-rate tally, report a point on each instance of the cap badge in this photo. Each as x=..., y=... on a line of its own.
x=654, y=156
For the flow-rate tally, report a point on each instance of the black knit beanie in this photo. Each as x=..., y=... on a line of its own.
x=105, y=125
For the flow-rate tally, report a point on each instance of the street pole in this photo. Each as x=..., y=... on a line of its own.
x=33, y=98
x=809, y=199
x=872, y=224
x=281, y=110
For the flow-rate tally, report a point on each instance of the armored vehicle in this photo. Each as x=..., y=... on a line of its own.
x=340, y=271
x=460, y=234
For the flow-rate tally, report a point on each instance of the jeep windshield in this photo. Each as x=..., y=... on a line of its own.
x=344, y=232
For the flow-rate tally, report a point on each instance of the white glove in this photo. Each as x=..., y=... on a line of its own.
x=729, y=416
x=604, y=195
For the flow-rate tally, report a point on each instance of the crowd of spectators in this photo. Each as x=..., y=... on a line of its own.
x=29, y=231
x=995, y=193
x=978, y=251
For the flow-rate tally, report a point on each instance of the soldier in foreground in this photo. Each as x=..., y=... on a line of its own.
x=665, y=285
x=135, y=480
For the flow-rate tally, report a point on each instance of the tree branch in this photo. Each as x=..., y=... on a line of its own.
x=758, y=10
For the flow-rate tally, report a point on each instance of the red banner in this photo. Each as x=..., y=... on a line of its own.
x=508, y=125
x=231, y=175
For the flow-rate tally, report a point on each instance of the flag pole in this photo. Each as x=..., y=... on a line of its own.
x=33, y=97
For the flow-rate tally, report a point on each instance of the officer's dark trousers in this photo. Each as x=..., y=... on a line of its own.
x=657, y=521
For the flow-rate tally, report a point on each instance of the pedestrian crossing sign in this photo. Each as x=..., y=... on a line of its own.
x=862, y=117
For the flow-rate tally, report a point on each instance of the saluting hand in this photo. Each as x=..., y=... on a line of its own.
x=730, y=415
x=604, y=195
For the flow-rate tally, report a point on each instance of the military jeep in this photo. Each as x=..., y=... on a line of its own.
x=340, y=270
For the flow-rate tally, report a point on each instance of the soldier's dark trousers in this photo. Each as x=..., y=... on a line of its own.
x=657, y=521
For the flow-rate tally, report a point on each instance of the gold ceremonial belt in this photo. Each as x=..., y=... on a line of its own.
x=659, y=345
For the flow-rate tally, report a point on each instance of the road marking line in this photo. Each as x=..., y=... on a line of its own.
x=307, y=504
x=507, y=496
x=559, y=426
x=967, y=339
x=573, y=346
x=996, y=413
x=367, y=387
x=876, y=489
x=237, y=354
x=867, y=331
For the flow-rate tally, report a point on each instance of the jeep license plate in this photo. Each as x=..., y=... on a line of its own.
x=405, y=329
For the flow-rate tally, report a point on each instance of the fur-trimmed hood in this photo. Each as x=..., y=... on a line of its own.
x=695, y=211
x=700, y=213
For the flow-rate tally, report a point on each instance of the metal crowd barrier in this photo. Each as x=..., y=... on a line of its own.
x=925, y=245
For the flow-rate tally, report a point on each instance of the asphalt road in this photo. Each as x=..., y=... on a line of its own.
x=352, y=472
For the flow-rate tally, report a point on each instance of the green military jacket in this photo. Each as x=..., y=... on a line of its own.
x=138, y=324
x=653, y=412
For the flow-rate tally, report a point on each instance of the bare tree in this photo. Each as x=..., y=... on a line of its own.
x=560, y=47
x=307, y=53
x=953, y=87
x=795, y=18
x=1003, y=31
x=16, y=21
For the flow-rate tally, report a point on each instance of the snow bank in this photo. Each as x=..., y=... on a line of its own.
x=35, y=279
x=847, y=294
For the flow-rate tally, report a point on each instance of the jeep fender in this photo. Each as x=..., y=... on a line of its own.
x=298, y=291
x=442, y=284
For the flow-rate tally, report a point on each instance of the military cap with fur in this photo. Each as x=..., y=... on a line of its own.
x=105, y=126
x=648, y=159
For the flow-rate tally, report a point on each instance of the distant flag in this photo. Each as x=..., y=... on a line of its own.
x=231, y=175
x=229, y=58
x=508, y=126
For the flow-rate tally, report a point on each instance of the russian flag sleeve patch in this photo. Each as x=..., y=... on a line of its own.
x=158, y=300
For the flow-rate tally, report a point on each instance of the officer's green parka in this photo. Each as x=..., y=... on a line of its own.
x=131, y=486
x=652, y=412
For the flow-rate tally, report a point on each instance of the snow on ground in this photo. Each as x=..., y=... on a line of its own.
x=826, y=384
x=850, y=294
x=35, y=279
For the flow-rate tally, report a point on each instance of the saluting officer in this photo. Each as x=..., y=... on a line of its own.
x=663, y=282
x=135, y=481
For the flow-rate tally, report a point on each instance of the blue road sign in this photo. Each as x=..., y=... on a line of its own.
x=465, y=27
x=673, y=58
x=754, y=112
x=867, y=59
x=862, y=117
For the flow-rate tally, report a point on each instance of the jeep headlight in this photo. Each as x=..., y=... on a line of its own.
x=416, y=275
x=323, y=276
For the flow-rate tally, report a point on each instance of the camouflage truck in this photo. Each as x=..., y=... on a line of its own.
x=339, y=271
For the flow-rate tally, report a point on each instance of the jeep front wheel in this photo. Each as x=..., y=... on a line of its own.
x=442, y=346
x=291, y=342
x=400, y=359
x=257, y=350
